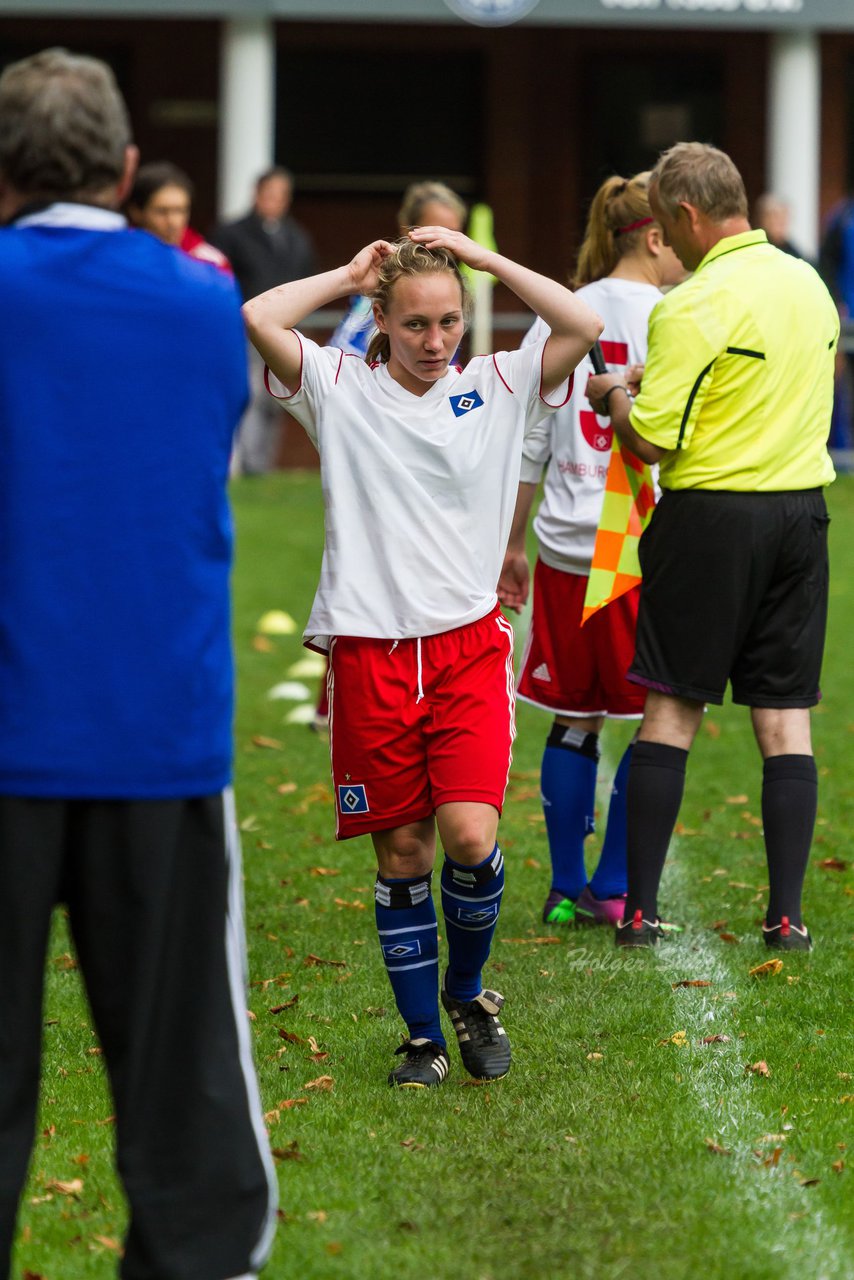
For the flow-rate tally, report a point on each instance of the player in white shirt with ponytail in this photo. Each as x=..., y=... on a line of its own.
x=579, y=674
x=420, y=466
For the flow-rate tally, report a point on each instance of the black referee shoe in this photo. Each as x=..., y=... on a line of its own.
x=786, y=937
x=484, y=1047
x=638, y=932
x=426, y=1063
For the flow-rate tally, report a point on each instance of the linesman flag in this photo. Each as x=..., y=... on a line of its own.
x=626, y=511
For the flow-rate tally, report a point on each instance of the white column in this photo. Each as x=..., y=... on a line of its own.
x=247, y=120
x=794, y=131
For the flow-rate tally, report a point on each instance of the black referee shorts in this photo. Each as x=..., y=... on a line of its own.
x=154, y=897
x=734, y=589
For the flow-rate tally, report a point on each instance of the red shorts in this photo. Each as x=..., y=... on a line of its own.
x=418, y=723
x=573, y=670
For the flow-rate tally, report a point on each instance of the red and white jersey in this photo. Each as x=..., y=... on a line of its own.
x=419, y=491
x=575, y=442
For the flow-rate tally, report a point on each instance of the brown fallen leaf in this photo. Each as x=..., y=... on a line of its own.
x=71, y=1188
x=269, y=744
x=334, y=1247
x=290, y=1152
x=740, y=799
x=691, y=982
x=312, y=959
x=322, y=1083
x=759, y=1068
x=716, y=1149
x=838, y=1166
x=317, y=1215
x=289, y=1004
x=595, y=1057
x=411, y=1145
x=767, y=969
x=833, y=864
x=262, y=644
x=109, y=1243
x=325, y=871
x=712, y=728
x=292, y=1102
x=719, y=1039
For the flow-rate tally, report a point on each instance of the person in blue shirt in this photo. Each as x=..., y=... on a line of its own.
x=116, y=678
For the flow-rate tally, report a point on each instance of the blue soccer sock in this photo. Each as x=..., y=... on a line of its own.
x=409, y=939
x=568, y=785
x=609, y=878
x=471, y=899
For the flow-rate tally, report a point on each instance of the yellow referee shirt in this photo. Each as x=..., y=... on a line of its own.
x=738, y=385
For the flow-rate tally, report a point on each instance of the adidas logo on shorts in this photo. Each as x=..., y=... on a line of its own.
x=541, y=673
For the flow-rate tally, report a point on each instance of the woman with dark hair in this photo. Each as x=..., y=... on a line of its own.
x=420, y=463
x=160, y=201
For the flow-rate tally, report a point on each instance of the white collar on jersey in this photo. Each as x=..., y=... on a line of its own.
x=86, y=217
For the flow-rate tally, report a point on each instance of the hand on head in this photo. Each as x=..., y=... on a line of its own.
x=456, y=242
x=364, y=267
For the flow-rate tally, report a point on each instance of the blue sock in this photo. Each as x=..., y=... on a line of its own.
x=609, y=878
x=471, y=899
x=568, y=785
x=409, y=938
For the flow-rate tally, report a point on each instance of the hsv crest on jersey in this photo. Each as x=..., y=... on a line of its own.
x=353, y=798
x=466, y=402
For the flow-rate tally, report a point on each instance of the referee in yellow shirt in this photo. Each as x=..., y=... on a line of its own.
x=735, y=406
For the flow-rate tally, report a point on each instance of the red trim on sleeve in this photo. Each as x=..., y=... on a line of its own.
x=540, y=392
x=501, y=375
x=298, y=387
x=338, y=370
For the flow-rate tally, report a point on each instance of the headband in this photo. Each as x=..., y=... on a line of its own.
x=633, y=226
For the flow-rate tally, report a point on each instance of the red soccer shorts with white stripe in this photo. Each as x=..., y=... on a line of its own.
x=420, y=722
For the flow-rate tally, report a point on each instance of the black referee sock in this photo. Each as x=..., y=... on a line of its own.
x=656, y=783
x=789, y=803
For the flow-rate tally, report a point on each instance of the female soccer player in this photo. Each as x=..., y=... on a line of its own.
x=578, y=673
x=420, y=462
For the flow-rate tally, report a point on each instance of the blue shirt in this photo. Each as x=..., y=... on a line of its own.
x=122, y=378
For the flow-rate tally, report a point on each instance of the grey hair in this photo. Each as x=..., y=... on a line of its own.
x=702, y=176
x=64, y=126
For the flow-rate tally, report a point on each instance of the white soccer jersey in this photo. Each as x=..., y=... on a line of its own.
x=575, y=443
x=419, y=491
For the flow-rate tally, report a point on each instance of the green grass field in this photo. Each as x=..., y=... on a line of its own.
x=648, y=1128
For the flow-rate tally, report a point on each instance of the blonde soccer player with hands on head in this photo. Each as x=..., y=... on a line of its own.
x=420, y=466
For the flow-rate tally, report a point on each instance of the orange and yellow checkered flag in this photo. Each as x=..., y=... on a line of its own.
x=626, y=510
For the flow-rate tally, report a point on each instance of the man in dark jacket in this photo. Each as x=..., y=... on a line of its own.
x=266, y=247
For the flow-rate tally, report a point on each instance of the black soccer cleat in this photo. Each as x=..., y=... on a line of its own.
x=484, y=1047
x=426, y=1063
x=786, y=936
x=638, y=932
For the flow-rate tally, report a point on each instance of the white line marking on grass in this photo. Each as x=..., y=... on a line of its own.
x=739, y=1124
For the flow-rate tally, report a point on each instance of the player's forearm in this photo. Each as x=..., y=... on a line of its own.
x=566, y=315
x=285, y=306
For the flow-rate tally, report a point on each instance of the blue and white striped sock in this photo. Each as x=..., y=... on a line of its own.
x=471, y=899
x=409, y=939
